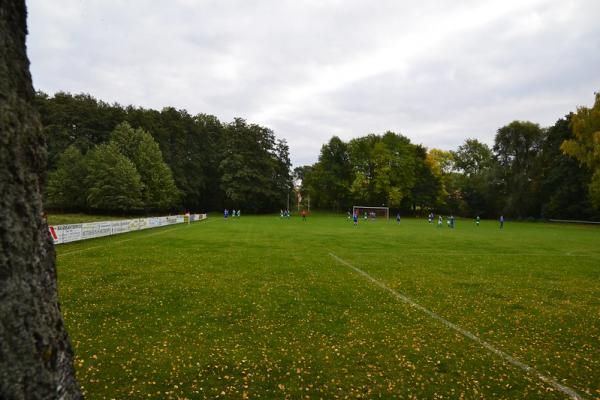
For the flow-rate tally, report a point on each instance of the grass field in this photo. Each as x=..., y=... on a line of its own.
x=76, y=218
x=259, y=307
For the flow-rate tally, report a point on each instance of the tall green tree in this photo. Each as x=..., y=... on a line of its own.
x=66, y=188
x=301, y=177
x=441, y=165
x=477, y=181
x=472, y=157
x=384, y=169
x=331, y=176
x=361, y=163
x=159, y=190
x=516, y=148
x=585, y=146
x=564, y=182
x=113, y=182
x=282, y=176
x=254, y=168
x=77, y=119
x=427, y=187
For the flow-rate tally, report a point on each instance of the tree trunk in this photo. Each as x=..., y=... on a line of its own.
x=36, y=359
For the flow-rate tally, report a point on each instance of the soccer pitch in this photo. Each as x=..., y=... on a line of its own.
x=260, y=307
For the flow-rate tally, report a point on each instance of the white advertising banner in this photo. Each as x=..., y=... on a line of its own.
x=120, y=226
x=153, y=222
x=74, y=232
x=95, y=229
x=143, y=223
x=197, y=217
x=66, y=233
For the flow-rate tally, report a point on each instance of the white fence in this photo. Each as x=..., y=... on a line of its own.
x=89, y=230
x=197, y=217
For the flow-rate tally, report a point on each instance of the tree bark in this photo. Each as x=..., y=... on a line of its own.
x=36, y=359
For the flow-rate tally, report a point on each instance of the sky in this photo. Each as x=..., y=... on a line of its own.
x=438, y=72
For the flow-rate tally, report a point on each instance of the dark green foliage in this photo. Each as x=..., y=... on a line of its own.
x=113, y=181
x=66, y=184
x=254, y=168
x=194, y=149
x=476, y=183
x=516, y=151
x=242, y=165
x=331, y=176
x=584, y=145
x=159, y=190
x=371, y=170
x=473, y=157
x=427, y=185
x=78, y=120
x=563, y=182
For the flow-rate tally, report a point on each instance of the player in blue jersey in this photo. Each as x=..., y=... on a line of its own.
x=398, y=218
x=501, y=222
x=355, y=219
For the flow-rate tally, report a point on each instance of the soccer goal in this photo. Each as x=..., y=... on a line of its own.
x=371, y=212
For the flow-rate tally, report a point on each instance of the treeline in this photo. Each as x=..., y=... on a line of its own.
x=106, y=157
x=530, y=172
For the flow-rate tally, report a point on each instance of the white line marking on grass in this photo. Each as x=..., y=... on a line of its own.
x=566, y=390
x=123, y=241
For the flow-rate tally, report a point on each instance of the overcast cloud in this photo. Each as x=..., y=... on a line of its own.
x=435, y=71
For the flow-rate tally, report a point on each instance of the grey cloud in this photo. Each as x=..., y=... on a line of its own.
x=438, y=73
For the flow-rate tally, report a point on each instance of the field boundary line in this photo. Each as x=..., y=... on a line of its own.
x=507, y=357
x=126, y=240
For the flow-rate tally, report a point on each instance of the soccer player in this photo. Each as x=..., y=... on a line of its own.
x=281, y=213
x=239, y=212
x=233, y=213
x=501, y=221
x=430, y=218
x=477, y=220
x=398, y=218
x=303, y=215
x=440, y=220
x=226, y=213
x=355, y=218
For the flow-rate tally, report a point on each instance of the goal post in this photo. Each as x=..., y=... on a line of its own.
x=371, y=212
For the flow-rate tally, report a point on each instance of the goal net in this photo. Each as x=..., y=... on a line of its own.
x=371, y=212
